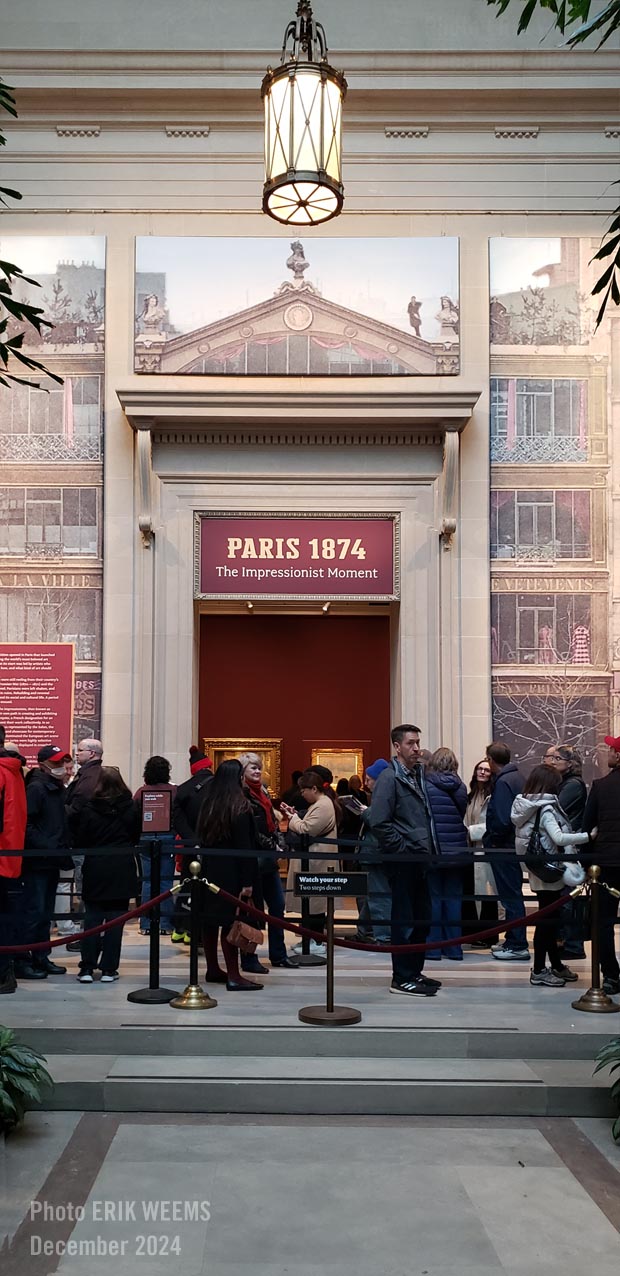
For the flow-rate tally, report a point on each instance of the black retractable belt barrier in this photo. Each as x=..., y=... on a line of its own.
x=153, y=995
x=330, y=884
x=306, y=958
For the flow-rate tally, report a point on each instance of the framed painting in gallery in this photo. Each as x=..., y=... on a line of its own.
x=269, y=752
x=340, y=761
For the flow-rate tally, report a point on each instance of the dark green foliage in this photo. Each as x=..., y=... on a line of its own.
x=22, y=1077
x=609, y=1057
x=10, y=306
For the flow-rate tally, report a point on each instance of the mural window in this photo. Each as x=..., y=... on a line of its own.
x=299, y=354
x=55, y=423
x=541, y=629
x=54, y=615
x=538, y=420
x=48, y=522
x=541, y=525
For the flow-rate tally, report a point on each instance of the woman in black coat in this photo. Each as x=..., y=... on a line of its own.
x=226, y=822
x=108, y=818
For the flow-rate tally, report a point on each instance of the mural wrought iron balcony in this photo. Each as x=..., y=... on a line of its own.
x=537, y=450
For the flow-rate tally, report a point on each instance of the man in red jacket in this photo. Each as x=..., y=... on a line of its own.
x=12, y=834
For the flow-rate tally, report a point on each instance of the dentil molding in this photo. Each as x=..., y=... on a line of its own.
x=517, y=130
x=78, y=130
x=407, y=130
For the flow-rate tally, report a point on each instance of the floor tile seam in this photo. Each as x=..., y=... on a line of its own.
x=589, y=1167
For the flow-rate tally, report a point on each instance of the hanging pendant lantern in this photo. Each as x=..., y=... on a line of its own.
x=303, y=128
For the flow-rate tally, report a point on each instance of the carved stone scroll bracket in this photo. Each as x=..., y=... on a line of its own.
x=451, y=449
x=145, y=485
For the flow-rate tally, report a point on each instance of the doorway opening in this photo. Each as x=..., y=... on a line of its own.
x=311, y=681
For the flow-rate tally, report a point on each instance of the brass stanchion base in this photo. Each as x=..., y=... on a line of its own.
x=193, y=998
x=597, y=1002
x=339, y=1017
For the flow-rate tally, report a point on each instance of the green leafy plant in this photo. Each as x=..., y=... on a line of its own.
x=12, y=308
x=609, y=1057
x=22, y=1078
x=603, y=22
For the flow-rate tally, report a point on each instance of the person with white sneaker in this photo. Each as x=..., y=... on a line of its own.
x=108, y=818
x=320, y=820
x=537, y=808
x=500, y=834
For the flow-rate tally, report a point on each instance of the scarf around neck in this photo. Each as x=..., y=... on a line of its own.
x=258, y=792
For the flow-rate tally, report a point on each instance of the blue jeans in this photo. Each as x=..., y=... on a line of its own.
x=375, y=911
x=167, y=878
x=509, y=882
x=446, y=887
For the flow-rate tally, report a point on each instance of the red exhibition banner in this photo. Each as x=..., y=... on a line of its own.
x=310, y=556
x=36, y=695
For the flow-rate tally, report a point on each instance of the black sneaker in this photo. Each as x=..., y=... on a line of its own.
x=611, y=986
x=419, y=987
x=432, y=983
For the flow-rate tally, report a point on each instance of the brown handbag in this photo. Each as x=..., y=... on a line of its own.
x=244, y=936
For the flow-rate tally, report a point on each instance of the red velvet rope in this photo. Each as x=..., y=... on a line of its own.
x=528, y=919
x=83, y=934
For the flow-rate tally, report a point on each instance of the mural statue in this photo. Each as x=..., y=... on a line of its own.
x=413, y=310
x=448, y=319
x=153, y=314
x=297, y=261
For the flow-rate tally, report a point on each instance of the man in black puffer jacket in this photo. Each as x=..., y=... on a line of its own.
x=603, y=814
x=46, y=831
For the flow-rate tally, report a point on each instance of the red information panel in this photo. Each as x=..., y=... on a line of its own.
x=36, y=694
x=287, y=556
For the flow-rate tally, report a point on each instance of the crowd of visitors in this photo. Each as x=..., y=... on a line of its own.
x=410, y=825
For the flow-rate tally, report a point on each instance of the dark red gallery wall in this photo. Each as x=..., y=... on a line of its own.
x=319, y=678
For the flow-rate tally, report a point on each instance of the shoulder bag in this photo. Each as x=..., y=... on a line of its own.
x=538, y=860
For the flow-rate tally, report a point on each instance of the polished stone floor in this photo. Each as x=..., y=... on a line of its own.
x=478, y=993
x=271, y=1196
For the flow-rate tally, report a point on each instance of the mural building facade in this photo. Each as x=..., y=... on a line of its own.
x=299, y=484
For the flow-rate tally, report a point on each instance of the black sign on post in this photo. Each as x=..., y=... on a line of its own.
x=331, y=884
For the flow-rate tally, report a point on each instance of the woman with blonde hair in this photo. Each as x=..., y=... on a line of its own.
x=268, y=842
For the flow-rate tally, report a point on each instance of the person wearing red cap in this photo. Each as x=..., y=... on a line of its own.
x=603, y=814
x=12, y=833
x=46, y=832
x=188, y=800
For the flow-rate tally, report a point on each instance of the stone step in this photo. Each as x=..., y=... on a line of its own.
x=327, y=1086
x=298, y=1042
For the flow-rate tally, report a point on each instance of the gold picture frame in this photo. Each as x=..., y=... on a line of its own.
x=269, y=751
x=341, y=762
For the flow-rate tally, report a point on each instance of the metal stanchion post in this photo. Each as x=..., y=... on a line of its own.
x=193, y=996
x=153, y=995
x=595, y=1000
x=338, y=1016
x=305, y=957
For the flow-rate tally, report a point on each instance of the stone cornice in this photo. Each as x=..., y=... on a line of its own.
x=296, y=407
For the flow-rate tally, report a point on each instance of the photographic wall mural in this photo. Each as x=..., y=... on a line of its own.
x=282, y=306
x=554, y=649
x=51, y=482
